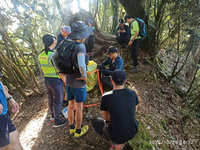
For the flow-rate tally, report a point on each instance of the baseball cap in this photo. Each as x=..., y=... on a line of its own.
x=48, y=39
x=66, y=29
x=127, y=17
x=121, y=21
x=90, y=21
x=119, y=76
x=111, y=49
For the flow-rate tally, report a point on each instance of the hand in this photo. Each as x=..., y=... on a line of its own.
x=130, y=43
x=14, y=105
x=63, y=77
x=82, y=78
x=102, y=70
x=123, y=31
x=1, y=108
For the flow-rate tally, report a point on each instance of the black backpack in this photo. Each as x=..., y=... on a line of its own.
x=62, y=59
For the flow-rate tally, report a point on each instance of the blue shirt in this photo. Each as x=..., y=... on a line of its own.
x=117, y=64
x=3, y=100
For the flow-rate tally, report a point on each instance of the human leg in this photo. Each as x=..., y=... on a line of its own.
x=14, y=141
x=80, y=97
x=50, y=99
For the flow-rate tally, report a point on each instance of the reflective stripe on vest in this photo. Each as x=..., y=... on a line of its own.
x=46, y=65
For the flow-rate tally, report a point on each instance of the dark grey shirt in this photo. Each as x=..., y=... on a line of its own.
x=71, y=78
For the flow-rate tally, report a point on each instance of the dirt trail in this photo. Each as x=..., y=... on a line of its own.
x=163, y=121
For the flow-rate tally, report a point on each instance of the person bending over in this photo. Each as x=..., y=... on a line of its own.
x=118, y=107
x=115, y=62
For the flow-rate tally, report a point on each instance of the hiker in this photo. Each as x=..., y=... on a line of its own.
x=53, y=83
x=9, y=136
x=123, y=33
x=76, y=82
x=65, y=31
x=134, y=42
x=118, y=107
x=89, y=42
x=115, y=62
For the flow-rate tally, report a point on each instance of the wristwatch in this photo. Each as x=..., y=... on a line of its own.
x=9, y=98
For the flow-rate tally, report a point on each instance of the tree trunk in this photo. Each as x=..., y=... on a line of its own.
x=115, y=10
x=134, y=8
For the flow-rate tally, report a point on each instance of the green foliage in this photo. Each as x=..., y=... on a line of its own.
x=142, y=140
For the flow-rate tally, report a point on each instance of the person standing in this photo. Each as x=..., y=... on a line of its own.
x=53, y=83
x=90, y=41
x=65, y=31
x=134, y=42
x=118, y=107
x=76, y=82
x=9, y=136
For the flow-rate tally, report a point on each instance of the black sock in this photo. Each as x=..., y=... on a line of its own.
x=72, y=126
x=78, y=131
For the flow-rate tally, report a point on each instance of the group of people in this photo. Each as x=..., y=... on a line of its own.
x=118, y=106
x=128, y=34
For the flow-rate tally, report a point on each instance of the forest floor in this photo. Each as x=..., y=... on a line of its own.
x=165, y=122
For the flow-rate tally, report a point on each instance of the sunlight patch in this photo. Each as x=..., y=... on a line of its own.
x=30, y=133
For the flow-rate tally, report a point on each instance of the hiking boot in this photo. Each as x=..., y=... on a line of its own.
x=135, y=69
x=72, y=131
x=59, y=123
x=84, y=130
x=116, y=146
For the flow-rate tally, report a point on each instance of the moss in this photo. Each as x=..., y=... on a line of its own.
x=142, y=140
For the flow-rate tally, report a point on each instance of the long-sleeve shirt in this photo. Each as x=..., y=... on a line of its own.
x=117, y=64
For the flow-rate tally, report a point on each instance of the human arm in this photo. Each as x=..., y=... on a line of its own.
x=105, y=62
x=104, y=108
x=11, y=101
x=134, y=32
x=119, y=65
x=1, y=108
x=106, y=115
x=82, y=66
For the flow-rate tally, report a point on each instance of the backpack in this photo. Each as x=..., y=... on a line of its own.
x=62, y=59
x=142, y=30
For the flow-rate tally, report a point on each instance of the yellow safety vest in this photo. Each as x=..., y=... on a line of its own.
x=46, y=65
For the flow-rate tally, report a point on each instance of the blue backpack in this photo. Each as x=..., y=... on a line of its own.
x=142, y=26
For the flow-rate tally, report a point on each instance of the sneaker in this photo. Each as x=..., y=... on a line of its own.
x=135, y=69
x=60, y=123
x=116, y=146
x=84, y=130
x=72, y=131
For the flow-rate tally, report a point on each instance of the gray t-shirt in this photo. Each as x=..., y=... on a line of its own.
x=71, y=78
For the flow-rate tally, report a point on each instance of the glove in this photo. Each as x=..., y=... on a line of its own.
x=99, y=67
x=102, y=70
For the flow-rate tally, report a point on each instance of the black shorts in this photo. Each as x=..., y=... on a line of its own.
x=6, y=127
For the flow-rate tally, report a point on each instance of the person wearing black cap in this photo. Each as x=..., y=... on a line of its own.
x=118, y=106
x=115, y=62
x=76, y=82
x=123, y=33
x=53, y=83
x=9, y=136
